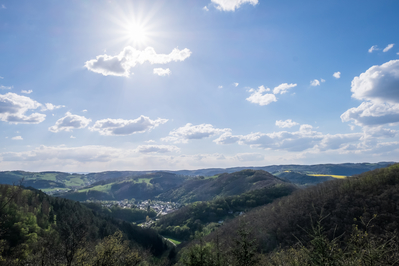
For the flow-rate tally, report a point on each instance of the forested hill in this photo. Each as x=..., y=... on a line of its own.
x=204, y=189
x=37, y=229
x=346, y=169
x=51, y=181
x=369, y=201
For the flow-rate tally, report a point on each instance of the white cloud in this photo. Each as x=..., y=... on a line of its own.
x=389, y=47
x=337, y=75
x=84, y=111
x=286, y=124
x=235, y=84
x=121, y=64
x=1, y=77
x=51, y=107
x=190, y=131
x=162, y=72
x=337, y=141
x=72, y=137
x=372, y=114
x=205, y=8
x=258, y=96
x=6, y=87
x=220, y=87
x=3, y=6
x=300, y=140
x=378, y=83
x=373, y=48
x=70, y=122
x=157, y=148
x=232, y=5
x=27, y=92
x=283, y=88
x=13, y=108
x=322, y=80
x=315, y=83
x=249, y=157
x=17, y=138
x=378, y=88
x=120, y=127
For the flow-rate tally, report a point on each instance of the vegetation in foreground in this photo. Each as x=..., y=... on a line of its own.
x=36, y=229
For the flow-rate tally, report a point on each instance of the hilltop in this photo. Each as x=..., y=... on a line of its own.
x=55, y=182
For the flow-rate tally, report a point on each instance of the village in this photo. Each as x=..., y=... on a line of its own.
x=160, y=207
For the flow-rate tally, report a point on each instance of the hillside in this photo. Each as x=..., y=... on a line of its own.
x=53, y=182
x=341, y=203
x=33, y=223
x=346, y=169
x=201, y=189
x=141, y=187
x=205, y=216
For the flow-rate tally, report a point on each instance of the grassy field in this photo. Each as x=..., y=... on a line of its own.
x=174, y=241
x=103, y=188
x=147, y=180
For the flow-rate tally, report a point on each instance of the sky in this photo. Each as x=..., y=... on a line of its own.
x=96, y=85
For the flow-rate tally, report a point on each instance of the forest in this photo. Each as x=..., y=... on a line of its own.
x=350, y=221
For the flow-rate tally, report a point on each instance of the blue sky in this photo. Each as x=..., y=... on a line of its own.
x=175, y=84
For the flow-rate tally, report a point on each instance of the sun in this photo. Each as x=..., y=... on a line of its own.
x=137, y=33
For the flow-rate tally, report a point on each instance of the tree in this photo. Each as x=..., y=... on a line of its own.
x=113, y=251
x=244, y=249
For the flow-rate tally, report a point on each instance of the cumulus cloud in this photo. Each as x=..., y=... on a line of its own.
x=120, y=65
x=286, y=124
x=220, y=87
x=205, y=8
x=315, y=83
x=51, y=107
x=232, y=5
x=190, y=132
x=13, y=109
x=27, y=92
x=283, y=88
x=6, y=87
x=303, y=139
x=337, y=141
x=70, y=122
x=17, y=138
x=249, y=157
x=260, y=97
x=372, y=114
x=162, y=72
x=157, y=148
x=373, y=48
x=235, y=84
x=378, y=88
x=389, y=47
x=121, y=127
x=337, y=75
x=378, y=83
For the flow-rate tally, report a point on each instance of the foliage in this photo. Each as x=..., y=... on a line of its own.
x=204, y=216
x=128, y=214
x=39, y=229
x=200, y=189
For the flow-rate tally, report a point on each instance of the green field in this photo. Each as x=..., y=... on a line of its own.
x=174, y=241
